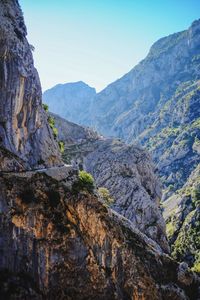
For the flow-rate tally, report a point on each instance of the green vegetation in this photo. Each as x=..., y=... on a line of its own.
x=170, y=229
x=169, y=134
x=45, y=106
x=61, y=146
x=196, y=196
x=196, y=142
x=166, y=133
x=193, y=192
x=105, y=195
x=51, y=122
x=196, y=267
x=171, y=187
x=187, y=191
x=187, y=243
x=195, y=124
x=85, y=182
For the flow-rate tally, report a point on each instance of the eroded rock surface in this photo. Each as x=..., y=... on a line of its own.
x=156, y=104
x=57, y=241
x=73, y=247
x=182, y=214
x=126, y=171
x=24, y=131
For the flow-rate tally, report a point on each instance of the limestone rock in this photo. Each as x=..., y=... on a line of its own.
x=182, y=214
x=59, y=245
x=58, y=242
x=126, y=171
x=24, y=131
x=157, y=104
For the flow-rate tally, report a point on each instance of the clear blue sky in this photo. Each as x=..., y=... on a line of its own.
x=98, y=41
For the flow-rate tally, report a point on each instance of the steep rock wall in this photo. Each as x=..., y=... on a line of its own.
x=59, y=245
x=57, y=242
x=24, y=131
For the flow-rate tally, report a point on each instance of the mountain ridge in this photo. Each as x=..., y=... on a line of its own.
x=58, y=240
x=157, y=104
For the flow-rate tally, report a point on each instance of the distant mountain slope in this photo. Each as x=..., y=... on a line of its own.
x=156, y=104
x=174, y=137
x=130, y=105
x=182, y=214
x=71, y=100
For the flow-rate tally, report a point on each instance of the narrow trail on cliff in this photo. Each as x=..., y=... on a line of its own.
x=35, y=170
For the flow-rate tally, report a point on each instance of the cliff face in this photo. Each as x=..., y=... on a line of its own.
x=157, y=104
x=130, y=106
x=26, y=140
x=60, y=245
x=126, y=171
x=72, y=133
x=182, y=214
x=57, y=240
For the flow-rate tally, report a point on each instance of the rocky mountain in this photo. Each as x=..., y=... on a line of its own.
x=73, y=133
x=130, y=106
x=112, y=163
x=126, y=171
x=70, y=101
x=60, y=245
x=26, y=140
x=157, y=104
x=182, y=214
x=58, y=240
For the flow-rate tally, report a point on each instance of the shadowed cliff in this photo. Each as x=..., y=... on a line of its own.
x=57, y=239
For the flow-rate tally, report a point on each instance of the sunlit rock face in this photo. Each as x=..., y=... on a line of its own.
x=156, y=104
x=125, y=170
x=59, y=245
x=182, y=215
x=58, y=241
x=24, y=133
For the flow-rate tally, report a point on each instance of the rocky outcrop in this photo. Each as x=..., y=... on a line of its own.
x=174, y=139
x=59, y=241
x=59, y=245
x=126, y=171
x=72, y=133
x=182, y=214
x=71, y=101
x=157, y=105
x=24, y=132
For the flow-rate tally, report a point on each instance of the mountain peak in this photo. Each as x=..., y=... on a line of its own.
x=196, y=23
x=73, y=95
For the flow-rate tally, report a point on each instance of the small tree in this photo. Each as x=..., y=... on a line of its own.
x=61, y=146
x=105, y=195
x=85, y=182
